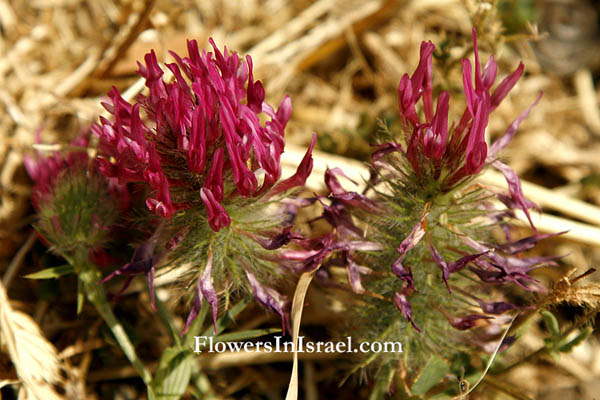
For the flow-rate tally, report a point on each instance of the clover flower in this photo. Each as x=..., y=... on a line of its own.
x=210, y=170
x=200, y=133
x=76, y=205
x=424, y=222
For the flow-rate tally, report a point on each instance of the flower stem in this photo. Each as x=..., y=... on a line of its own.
x=90, y=276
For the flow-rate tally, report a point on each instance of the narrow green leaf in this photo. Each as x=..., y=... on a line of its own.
x=173, y=374
x=222, y=323
x=51, y=273
x=551, y=323
x=565, y=348
x=80, y=296
x=434, y=371
x=382, y=384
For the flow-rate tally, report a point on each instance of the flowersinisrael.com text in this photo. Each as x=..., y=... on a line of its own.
x=208, y=344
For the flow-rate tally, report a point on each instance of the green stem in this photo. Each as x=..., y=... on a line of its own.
x=90, y=276
x=164, y=316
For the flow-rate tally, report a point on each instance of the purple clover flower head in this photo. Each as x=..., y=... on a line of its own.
x=430, y=279
x=46, y=170
x=435, y=152
x=204, y=151
x=77, y=207
x=202, y=132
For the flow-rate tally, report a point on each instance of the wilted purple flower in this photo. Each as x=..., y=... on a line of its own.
x=413, y=238
x=144, y=262
x=401, y=301
x=204, y=289
x=271, y=299
x=463, y=323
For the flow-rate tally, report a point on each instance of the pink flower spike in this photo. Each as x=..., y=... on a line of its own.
x=406, y=100
x=485, y=80
x=422, y=79
x=489, y=73
x=216, y=214
x=478, y=82
x=153, y=75
x=161, y=205
x=284, y=111
x=244, y=178
x=196, y=158
x=470, y=95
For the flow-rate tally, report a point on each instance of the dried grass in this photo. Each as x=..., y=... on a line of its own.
x=35, y=359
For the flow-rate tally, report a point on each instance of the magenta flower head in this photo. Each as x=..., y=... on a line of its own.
x=205, y=147
x=419, y=244
x=437, y=152
x=76, y=205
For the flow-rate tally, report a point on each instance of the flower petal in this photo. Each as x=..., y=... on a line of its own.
x=216, y=214
x=503, y=140
x=403, y=305
x=514, y=187
x=302, y=173
x=270, y=299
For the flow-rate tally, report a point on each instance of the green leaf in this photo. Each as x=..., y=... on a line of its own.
x=51, y=273
x=551, y=323
x=434, y=371
x=80, y=296
x=173, y=374
x=565, y=348
x=382, y=384
x=222, y=323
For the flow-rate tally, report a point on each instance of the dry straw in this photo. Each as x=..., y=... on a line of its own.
x=35, y=359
